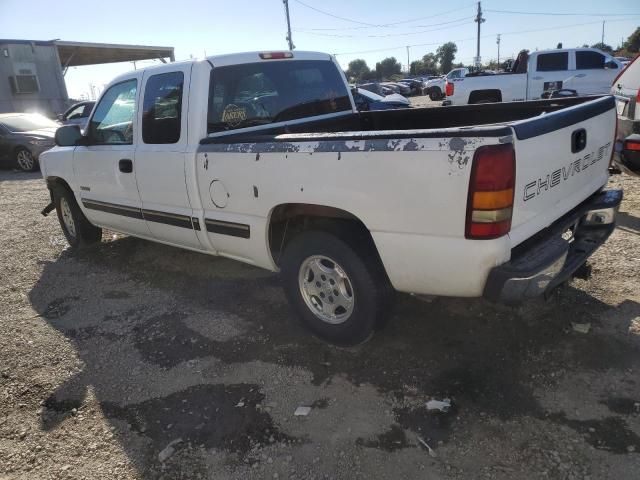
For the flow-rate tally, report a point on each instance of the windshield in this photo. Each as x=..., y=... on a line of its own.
x=28, y=122
x=370, y=95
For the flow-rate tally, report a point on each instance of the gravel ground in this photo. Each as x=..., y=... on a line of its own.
x=135, y=360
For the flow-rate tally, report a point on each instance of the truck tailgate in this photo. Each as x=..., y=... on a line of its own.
x=562, y=158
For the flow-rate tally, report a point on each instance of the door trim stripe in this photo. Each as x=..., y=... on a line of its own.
x=233, y=229
x=221, y=227
x=173, y=219
x=123, y=210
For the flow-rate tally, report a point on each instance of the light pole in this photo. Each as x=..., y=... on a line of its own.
x=289, y=39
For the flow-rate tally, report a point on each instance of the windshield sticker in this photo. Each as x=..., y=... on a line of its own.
x=234, y=115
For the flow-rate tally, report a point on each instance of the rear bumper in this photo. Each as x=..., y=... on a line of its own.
x=552, y=257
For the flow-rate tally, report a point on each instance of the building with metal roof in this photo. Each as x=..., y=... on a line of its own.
x=33, y=70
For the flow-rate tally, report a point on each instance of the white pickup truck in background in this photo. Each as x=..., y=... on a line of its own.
x=588, y=71
x=263, y=158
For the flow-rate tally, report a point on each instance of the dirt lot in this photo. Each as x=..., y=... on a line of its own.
x=137, y=360
x=424, y=101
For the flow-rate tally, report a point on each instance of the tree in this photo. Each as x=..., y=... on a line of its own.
x=358, y=70
x=445, y=54
x=427, y=66
x=430, y=63
x=388, y=67
x=603, y=46
x=417, y=68
x=632, y=44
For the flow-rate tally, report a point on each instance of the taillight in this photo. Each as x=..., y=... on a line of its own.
x=275, y=55
x=631, y=145
x=638, y=98
x=490, y=201
x=449, y=88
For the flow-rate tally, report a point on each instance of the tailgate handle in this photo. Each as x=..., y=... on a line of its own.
x=578, y=140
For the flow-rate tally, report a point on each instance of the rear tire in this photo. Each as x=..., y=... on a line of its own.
x=78, y=231
x=435, y=94
x=339, y=290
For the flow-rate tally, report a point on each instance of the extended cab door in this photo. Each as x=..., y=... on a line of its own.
x=160, y=155
x=594, y=72
x=547, y=71
x=105, y=167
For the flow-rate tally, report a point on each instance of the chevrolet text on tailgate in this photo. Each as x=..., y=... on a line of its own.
x=262, y=157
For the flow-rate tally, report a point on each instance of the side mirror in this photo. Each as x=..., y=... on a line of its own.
x=611, y=65
x=68, y=136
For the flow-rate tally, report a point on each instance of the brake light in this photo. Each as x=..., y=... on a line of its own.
x=491, y=189
x=275, y=55
x=638, y=97
x=449, y=88
x=632, y=145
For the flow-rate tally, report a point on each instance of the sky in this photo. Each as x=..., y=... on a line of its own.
x=368, y=29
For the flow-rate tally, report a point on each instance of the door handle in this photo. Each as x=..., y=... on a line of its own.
x=125, y=165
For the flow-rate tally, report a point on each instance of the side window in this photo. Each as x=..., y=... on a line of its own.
x=112, y=122
x=589, y=60
x=76, y=113
x=162, y=108
x=553, y=62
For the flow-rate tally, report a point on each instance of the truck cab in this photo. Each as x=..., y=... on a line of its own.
x=585, y=71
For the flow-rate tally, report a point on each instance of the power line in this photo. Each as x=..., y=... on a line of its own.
x=372, y=25
x=517, y=32
x=335, y=16
x=309, y=30
x=565, y=13
x=465, y=21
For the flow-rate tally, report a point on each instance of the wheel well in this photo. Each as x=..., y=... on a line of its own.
x=485, y=96
x=289, y=219
x=54, y=183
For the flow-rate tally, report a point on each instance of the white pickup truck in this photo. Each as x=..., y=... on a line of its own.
x=263, y=158
x=586, y=71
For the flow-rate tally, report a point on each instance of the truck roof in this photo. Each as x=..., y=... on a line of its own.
x=230, y=59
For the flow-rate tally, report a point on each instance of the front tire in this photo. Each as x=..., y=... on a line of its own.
x=340, y=293
x=24, y=160
x=78, y=231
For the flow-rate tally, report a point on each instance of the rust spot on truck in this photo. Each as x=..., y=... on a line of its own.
x=457, y=143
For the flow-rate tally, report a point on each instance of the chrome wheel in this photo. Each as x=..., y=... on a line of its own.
x=25, y=160
x=326, y=289
x=67, y=217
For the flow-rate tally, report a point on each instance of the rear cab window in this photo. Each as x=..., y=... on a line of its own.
x=270, y=92
x=552, y=62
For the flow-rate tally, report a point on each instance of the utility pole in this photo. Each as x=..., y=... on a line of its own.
x=408, y=63
x=498, y=42
x=479, y=20
x=289, y=39
x=602, y=33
